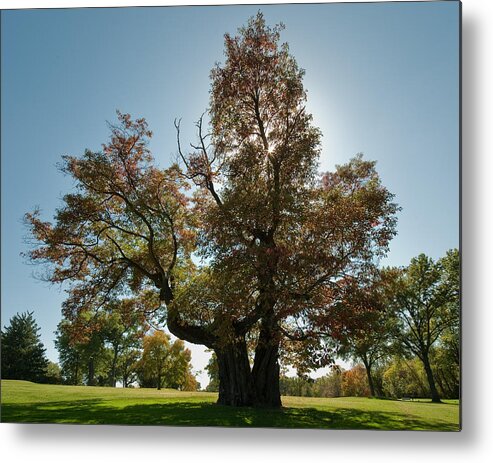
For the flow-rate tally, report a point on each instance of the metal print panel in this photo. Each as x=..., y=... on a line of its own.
x=240, y=216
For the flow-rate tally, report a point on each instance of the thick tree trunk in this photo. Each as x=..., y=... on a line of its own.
x=435, y=396
x=371, y=384
x=238, y=384
x=235, y=378
x=265, y=370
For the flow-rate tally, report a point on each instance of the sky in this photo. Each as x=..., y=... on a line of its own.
x=382, y=79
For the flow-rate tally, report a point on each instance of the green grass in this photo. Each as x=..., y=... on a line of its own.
x=25, y=402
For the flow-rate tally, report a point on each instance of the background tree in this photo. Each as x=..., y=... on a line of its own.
x=97, y=357
x=69, y=355
x=122, y=327
x=82, y=353
x=361, y=326
x=179, y=374
x=165, y=363
x=425, y=297
x=53, y=373
x=23, y=353
x=446, y=369
x=405, y=378
x=446, y=358
x=155, y=359
x=299, y=385
x=354, y=382
x=329, y=385
x=107, y=337
x=212, y=369
x=128, y=366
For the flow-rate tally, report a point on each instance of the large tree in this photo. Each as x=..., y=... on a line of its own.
x=23, y=353
x=276, y=236
x=279, y=233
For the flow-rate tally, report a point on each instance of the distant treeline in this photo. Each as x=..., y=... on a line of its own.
x=110, y=348
x=396, y=378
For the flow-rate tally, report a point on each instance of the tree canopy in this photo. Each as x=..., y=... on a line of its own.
x=425, y=298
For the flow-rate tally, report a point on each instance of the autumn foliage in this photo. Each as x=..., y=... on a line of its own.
x=280, y=242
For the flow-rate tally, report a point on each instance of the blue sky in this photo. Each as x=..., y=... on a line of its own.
x=382, y=79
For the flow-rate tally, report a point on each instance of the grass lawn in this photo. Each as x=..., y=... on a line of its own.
x=25, y=402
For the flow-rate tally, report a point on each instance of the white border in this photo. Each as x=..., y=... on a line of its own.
x=55, y=443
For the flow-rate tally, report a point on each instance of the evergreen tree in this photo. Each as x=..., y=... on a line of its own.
x=23, y=353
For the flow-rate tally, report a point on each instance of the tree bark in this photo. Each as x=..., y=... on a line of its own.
x=435, y=396
x=378, y=386
x=235, y=378
x=238, y=384
x=266, y=369
x=371, y=384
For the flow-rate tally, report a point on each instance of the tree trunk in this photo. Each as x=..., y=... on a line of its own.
x=90, y=379
x=435, y=396
x=266, y=369
x=235, y=378
x=378, y=385
x=113, y=368
x=125, y=378
x=238, y=385
x=371, y=384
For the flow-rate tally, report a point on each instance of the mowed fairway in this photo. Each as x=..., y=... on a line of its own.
x=27, y=402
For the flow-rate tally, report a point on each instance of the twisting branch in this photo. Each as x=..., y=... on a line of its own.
x=133, y=263
x=192, y=172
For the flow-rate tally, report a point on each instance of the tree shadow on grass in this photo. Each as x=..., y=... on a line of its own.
x=187, y=413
